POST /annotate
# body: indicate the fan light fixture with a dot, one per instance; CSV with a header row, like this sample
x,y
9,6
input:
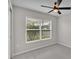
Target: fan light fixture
x,y
56,7
56,10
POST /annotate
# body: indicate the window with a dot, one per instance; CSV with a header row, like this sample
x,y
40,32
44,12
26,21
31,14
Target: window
x,y
38,29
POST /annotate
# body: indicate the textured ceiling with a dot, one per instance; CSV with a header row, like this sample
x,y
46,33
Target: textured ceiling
x,y
35,5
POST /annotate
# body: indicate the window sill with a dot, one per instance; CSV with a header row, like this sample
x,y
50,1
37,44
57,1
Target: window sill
x,y
38,40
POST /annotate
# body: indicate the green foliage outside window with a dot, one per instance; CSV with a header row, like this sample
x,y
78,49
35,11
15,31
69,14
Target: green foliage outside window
x,y
35,33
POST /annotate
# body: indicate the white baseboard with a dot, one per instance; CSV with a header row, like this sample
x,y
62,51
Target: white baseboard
x,y
62,43
22,52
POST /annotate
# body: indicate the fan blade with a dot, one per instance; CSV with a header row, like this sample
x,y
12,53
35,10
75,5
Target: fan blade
x,y
59,12
59,1
64,8
46,6
50,11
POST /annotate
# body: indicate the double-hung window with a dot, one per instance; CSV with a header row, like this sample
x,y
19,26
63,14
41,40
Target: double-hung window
x,y
37,30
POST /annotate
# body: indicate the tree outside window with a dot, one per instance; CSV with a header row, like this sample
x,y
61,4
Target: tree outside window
x,y
37,29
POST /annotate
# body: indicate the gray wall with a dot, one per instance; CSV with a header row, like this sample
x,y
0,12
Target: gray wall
x,y
19,18
64,30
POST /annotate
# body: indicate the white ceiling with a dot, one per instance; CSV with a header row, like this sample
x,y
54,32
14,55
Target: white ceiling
x,y
35,5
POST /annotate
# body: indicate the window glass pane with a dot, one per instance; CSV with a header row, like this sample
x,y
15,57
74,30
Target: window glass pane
x,y
45,25
32,24
37,29
45,34
33,35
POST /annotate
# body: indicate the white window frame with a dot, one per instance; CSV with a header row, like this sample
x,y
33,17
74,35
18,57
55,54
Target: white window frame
x,y
39,30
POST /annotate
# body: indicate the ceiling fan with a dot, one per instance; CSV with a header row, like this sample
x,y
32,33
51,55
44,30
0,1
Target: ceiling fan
x,y
56,7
